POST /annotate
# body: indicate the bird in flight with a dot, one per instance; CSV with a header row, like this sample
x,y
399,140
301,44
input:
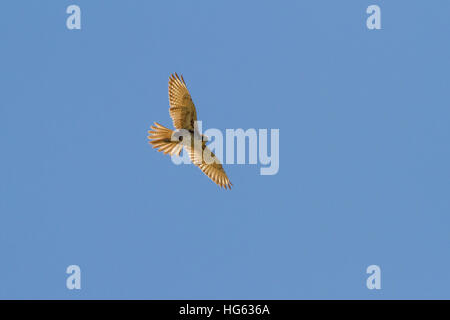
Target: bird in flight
x,y
184,118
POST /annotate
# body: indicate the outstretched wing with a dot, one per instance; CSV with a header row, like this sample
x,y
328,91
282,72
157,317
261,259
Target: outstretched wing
x,y
182,109
209,164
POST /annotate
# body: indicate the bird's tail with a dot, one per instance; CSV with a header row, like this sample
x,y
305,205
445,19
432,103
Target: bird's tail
x,y
161,138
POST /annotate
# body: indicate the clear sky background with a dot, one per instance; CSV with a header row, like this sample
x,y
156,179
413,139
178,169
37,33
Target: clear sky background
x,y
364,150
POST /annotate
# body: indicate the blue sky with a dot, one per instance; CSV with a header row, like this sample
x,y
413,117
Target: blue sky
x,y
364,150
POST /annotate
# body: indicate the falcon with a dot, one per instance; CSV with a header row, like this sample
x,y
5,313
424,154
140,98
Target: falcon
x,y
184,118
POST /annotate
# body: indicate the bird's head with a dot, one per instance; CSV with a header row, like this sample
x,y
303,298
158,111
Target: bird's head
x,y
180,135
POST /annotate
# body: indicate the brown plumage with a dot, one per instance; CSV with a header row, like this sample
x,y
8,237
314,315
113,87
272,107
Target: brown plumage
x,y
184,116
182,109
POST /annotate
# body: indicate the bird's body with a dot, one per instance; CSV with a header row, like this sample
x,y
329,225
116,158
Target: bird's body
x,y
184,117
